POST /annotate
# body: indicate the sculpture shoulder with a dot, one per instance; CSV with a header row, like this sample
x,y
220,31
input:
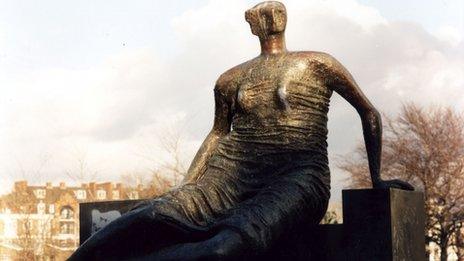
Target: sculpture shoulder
x,y
227,81
317,58
324,66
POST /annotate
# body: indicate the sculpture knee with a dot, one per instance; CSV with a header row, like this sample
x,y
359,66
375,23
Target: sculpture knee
x,y
228,244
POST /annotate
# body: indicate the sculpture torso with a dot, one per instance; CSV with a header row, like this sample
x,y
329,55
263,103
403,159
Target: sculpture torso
x,y
279,105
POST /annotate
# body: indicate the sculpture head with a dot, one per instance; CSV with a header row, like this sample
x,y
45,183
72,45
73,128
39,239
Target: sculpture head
x,y
267,18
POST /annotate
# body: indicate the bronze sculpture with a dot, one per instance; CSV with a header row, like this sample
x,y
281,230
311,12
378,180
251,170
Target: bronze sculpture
x,y
262,169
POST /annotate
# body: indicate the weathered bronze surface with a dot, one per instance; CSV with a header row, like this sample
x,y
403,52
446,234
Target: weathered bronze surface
x,y
263,168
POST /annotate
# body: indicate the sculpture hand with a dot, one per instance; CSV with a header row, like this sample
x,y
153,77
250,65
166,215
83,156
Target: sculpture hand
x,y
394,183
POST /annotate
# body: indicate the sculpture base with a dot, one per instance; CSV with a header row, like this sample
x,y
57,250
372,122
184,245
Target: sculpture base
x,y
378,225
95,215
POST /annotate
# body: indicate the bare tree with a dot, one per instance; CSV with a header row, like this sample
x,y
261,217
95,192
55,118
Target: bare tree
x,y
330,217
426,148
33,227
173,165
459,244
134,179
80,171
34,172
168,163
21,203
150,185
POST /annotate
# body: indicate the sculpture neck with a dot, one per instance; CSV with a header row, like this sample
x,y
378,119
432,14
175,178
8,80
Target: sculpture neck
x,y
273,44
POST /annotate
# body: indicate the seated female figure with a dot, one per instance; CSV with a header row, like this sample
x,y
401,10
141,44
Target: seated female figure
x,y
263,168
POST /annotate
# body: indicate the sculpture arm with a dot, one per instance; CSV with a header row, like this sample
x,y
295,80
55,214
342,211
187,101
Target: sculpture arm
x,y
220,128
342,82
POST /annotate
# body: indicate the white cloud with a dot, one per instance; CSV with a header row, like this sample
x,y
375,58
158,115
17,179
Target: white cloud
x,y
358,14
450,34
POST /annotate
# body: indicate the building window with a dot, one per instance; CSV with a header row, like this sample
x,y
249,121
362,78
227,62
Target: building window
x,y
2,228
115,194
66,228
40,193
133,195
67,213
51,209
101,194
80,194
24,226
41,208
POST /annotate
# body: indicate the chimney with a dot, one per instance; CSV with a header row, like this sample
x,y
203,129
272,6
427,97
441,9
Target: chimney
x,y
62,185
20,186
93,187
107,186
121,190
48,185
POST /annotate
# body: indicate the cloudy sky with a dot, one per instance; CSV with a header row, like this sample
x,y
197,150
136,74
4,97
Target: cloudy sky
x,y
99,82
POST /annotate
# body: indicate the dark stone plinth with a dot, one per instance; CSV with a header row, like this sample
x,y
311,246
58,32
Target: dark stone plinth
x,y
322,242
384,224
95,215
378,225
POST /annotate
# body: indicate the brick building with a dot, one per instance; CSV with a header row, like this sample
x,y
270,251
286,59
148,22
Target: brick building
x,y
43,221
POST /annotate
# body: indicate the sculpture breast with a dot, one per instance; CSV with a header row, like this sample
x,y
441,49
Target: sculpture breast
x,y
262,96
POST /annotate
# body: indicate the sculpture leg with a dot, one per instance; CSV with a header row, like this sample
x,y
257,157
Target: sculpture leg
x,y
225,245
133,234
291,200
255,224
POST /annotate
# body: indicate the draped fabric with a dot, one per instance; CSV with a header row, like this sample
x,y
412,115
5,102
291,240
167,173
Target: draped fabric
x,y
265,176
